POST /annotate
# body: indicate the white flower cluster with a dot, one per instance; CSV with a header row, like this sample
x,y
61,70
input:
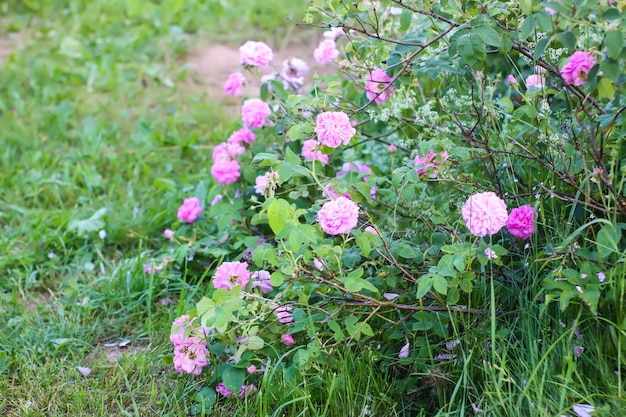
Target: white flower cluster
x,y
402,100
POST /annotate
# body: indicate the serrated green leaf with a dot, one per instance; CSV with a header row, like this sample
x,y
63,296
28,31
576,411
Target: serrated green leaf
x,y
489,35
440,284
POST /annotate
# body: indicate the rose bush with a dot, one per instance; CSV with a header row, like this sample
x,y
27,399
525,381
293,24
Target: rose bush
x,y
366,240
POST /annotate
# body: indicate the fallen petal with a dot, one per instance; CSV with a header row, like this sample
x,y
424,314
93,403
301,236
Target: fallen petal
x,y
83,370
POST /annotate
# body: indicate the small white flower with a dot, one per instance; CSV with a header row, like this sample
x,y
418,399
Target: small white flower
x,y
102,234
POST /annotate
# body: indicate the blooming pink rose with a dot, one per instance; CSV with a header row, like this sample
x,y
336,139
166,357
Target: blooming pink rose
x,y
190,210
287,339
262,183
261,279
234,83
326,51
242,136
378,81
535,81
511,79
229,274
225,171
191,357
355,167
254,111
334,128
256,54
310,154
294,68
521,222
338,216
484,214
168,233
577,67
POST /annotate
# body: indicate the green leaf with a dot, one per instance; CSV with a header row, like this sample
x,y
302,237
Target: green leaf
x,y
527,28
453,296
364,244
489,35
277,215
541,47
440,284
472,49
207,397
295,240
366,329
405,251
606,88
608,240
424,285
90,225
614,42
255,343
567,39
233,378
406,17
277,279
526,6
4,361
164,184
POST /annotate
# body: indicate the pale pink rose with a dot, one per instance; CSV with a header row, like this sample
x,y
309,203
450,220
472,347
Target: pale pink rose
x,y
222,390
242,136
333,33
283,314
230,274
254,111
262,183
392,148
511,79
601,276
256,54
484,214
521,222
326,51
234,83
535,81
287,339
261,279
355,167
338,216
191,357
225,171
577,68
404,351
378,87
294,68
310,153
334,128
168,233
190,210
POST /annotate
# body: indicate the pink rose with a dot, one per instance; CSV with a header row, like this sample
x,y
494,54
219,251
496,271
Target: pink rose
x,y
242,136
484,214
511,79
190,210
392,148
261,184
256,54
168,233
338,216
378,87
222,390
254,111
535,81
294,68
326,51
432,160
283,314
230,274
234,83
577,68
225,171
333,33
334,128
310,153
261,279
521,222
190,357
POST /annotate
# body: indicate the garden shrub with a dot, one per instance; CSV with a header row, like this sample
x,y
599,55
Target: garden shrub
x,y
462,154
